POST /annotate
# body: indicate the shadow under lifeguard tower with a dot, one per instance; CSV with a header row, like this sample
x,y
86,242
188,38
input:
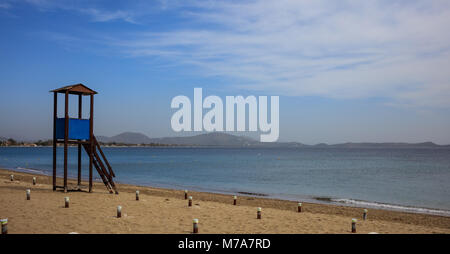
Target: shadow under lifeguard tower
x,y
79,131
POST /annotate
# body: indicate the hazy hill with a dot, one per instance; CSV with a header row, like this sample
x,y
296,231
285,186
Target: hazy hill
x,y
386,145
126,138
209,139
224,139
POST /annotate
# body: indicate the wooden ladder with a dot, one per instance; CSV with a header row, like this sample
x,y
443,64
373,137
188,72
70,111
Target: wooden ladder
x,y
106,173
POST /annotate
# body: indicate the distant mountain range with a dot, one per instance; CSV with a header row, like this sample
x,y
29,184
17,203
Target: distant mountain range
x,y
224,139
209,139
126,138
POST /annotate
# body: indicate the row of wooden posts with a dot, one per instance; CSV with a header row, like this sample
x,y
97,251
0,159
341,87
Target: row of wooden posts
x,y
4,222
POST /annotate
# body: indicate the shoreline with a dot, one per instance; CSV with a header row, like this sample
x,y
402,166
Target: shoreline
x,y
304,146
325,200
384,221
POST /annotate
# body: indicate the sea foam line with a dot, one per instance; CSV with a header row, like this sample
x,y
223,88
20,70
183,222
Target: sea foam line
x,y
392,207
31,170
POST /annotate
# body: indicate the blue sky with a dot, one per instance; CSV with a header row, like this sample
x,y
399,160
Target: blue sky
x,y
359,71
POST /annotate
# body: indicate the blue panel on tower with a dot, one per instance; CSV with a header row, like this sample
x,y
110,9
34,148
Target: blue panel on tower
x,y
78,128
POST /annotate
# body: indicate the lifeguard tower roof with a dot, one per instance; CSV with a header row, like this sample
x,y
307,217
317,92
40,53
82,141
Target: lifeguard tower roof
x,y
75,89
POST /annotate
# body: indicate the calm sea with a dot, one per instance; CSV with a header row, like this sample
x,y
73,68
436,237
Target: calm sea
x,y
416,180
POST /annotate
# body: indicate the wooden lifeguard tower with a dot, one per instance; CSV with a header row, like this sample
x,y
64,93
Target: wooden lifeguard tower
x,y
79,131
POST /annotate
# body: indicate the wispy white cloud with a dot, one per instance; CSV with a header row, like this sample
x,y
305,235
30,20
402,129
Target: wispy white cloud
x,y
399,50
5,5
103,16
88,8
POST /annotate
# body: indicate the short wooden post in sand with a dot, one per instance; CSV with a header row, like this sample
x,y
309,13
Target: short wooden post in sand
x,y
234,200
365,214
34,180
185,194
195,224
66,202
28,194
299,207
4,223
137,195
258,213
119,211
353,225
190,201
11,177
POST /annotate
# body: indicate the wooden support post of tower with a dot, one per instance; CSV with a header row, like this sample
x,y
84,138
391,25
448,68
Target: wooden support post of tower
x,y
91,141
55,113
80,116
66,136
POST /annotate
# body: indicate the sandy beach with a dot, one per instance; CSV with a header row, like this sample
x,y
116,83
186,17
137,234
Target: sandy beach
x,y
165,211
